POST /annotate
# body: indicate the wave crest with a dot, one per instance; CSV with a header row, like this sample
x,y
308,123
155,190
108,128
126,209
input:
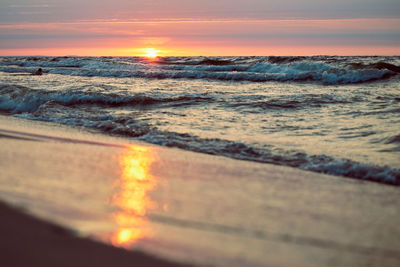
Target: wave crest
x,y
19,99
238,150
320,69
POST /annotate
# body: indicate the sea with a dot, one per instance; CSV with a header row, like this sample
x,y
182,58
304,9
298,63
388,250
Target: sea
x,y
326,114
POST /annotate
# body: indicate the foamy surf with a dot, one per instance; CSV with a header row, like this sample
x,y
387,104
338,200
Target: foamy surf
x,y
326,70
263,109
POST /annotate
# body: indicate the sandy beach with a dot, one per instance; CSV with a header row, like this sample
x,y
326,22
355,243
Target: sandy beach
x,y
27,241
185,207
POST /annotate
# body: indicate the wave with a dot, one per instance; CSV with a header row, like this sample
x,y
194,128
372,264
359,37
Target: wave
x,y
282,59
86,108
16,99
322,69
379,66
128,126
242,151
317,163
299,101
328,77
19,99
393,140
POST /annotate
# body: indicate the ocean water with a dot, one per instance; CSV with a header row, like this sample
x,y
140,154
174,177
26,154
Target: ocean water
x,y
335,115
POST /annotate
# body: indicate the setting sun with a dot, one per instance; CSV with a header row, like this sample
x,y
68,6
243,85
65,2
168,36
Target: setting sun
x,y
151,52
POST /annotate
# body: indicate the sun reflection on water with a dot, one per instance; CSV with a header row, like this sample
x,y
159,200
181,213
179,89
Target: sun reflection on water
x,y
133,200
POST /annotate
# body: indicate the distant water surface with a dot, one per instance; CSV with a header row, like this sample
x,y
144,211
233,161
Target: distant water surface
x,y
336,115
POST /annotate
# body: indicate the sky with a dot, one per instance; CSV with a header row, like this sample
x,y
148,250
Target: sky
x,y
199,28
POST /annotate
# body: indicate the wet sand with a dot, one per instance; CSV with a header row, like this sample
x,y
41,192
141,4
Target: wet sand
x,y
28,241
200,209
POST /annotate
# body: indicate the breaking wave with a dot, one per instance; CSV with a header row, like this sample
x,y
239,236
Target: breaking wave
x,y
238,150
19,99
324,70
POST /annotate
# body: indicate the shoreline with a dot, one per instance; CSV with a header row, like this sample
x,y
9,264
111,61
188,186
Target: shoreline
x,y
205,210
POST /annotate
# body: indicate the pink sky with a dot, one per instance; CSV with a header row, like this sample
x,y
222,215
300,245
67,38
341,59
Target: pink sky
x,y
127,29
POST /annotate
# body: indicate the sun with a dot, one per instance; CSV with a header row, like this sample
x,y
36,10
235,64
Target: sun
x,y
150,52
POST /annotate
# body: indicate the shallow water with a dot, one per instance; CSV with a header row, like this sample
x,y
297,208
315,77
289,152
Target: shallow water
x,y
336,115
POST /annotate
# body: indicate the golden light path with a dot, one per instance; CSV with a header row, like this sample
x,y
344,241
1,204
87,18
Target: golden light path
x,y
133,201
